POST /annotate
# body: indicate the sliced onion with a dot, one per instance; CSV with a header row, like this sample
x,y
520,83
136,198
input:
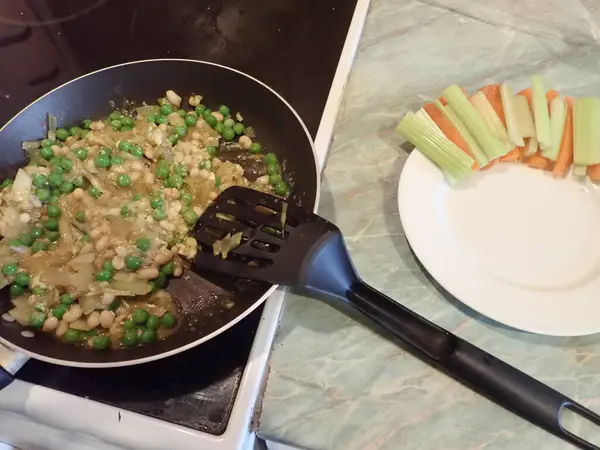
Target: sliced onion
x,y
137,287
80,324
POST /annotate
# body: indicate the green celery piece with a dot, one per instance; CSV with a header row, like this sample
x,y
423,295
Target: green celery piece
x,y
558,117
476,150
511,107
465,111
580,171
586,139
455,163
540,112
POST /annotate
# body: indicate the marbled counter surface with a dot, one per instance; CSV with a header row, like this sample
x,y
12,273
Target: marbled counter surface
x,y
334,384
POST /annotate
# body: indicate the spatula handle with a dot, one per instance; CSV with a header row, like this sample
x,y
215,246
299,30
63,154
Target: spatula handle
x,y
472,366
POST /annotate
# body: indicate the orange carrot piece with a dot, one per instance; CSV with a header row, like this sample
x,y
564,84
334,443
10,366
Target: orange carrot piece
x,y
551,95
491,164
448,129
565,156
492,92
514,155
538,161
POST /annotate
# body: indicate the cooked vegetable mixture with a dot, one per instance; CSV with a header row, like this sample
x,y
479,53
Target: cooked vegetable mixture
x,y
97,222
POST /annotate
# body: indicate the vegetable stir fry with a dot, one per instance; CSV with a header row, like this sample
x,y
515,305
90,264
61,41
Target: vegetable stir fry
x,y
97,222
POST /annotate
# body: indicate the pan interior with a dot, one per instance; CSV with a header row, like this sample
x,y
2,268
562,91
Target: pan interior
x,y
209,301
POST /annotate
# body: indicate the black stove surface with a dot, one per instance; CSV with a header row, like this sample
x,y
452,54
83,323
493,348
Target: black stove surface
x,y
291,45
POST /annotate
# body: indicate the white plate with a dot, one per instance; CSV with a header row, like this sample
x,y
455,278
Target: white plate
x,y
513,243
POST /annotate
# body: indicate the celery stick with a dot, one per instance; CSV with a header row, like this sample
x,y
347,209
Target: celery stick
x,y
524,116
465,111
586,137
455,163
512,124
579,171
532,147
540,112
476,150
428,121
495,125
558,117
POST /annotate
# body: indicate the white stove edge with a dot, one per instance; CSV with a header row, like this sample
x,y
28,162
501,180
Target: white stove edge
x,y
33,416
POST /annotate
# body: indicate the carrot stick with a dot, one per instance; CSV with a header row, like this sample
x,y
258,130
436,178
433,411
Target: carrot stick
x,y
448,129
514,155
538,161
492,92
565,156
491,164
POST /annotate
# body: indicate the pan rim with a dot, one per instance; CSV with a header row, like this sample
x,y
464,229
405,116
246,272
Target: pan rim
x,y
249,310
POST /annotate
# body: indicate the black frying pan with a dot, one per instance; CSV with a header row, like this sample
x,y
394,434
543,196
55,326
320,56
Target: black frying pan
x,y
209,303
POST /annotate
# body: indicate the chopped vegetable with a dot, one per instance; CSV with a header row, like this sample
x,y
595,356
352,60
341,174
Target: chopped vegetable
x,y
512,121
540,113
557,125
586,114
493,122
565,156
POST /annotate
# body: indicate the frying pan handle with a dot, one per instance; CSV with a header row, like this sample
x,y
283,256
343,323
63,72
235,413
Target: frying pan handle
x,y
498,381
5,378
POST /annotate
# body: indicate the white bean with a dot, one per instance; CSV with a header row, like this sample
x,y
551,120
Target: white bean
x,y
78,193
148,273
137,165
93,319
264,180
73,313
163,256
212,195
24,218
245,142
118,262
178,271
62,329
96,232
198,210
173,98
218,116
194,172
107,298
102,243
194,100
107,318
50,324
135,176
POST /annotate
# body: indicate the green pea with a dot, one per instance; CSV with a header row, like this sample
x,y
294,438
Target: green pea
x,y
102,160
37,232
211,150
38,246
229,134
181,113
168,269
38,290
211,120
81,153
229,123
272,168
125,146
161,281
136,151
124,180
101,342
6,183
104,275
53,236
133,262
59,311
140,316
106,151
78,181
22,279
129,324
25,239
47,143
130,338
255,148
162,171
86,123
274,179
200,109
9,269
156,202
53,211
62,134
125,211
224,110
137,197
36,319
181,170
66,299
153,322
148,336
173,139
190,217
190,120
143,244
16,290
66,164
218,181
85,238
115,124
160,120
55,179
67,187
72,335
166,109
159,214
39,179
206,113
75,131
168,320
80,216
115,115
126,121
180,131
238,128
175,181
55,198
55,163
204,164
186,198
219,127
151,118
108,266
281,188
94,192
51,224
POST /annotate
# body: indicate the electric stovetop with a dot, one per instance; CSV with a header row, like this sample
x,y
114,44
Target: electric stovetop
x,y
291,45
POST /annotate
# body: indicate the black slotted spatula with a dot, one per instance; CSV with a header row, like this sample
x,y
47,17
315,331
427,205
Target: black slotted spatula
x,y
281,243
